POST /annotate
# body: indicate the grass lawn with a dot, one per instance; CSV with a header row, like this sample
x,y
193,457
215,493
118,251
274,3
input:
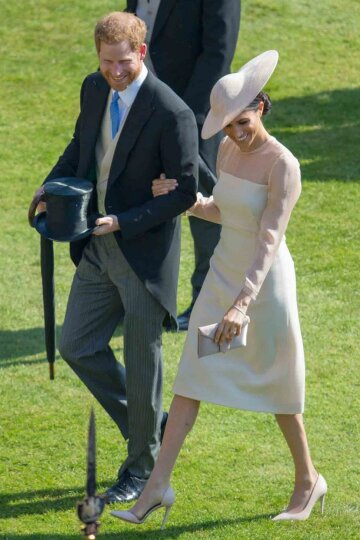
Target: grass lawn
x,y
235,470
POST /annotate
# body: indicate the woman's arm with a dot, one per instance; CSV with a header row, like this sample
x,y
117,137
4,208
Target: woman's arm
x,y
284,191
204,208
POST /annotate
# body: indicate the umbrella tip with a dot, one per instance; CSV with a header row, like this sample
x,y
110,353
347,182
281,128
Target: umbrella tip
x,y
51,372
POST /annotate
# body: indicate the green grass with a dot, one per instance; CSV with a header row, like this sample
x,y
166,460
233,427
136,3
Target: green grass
x,y
234,471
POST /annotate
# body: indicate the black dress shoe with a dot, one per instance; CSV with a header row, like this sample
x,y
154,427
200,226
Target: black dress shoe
x,y
183,318
127,488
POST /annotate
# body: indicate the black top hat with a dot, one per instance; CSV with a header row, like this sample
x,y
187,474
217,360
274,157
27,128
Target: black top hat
x,y
66,218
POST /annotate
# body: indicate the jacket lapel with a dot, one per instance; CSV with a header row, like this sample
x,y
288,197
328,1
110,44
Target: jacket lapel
x,y
164,11
139,114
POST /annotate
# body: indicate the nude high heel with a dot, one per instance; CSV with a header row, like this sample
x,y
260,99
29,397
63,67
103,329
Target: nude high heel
x,y
318,494
166,502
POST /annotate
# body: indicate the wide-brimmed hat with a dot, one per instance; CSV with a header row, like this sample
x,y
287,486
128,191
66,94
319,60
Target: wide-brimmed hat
x,y
67,216
233,93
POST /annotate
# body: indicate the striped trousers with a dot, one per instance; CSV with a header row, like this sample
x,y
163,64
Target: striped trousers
x,y
105,290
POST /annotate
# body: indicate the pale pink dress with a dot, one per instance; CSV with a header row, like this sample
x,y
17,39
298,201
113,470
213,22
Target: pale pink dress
x,y
253,200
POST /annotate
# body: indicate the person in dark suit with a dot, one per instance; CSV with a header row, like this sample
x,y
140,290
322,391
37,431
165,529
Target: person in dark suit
x,y
191,45
128,268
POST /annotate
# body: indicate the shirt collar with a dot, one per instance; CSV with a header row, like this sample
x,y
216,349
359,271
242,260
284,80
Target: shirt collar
x,y
129,94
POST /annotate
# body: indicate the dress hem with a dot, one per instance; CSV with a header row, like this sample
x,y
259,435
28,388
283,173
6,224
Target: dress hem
x,y
295,409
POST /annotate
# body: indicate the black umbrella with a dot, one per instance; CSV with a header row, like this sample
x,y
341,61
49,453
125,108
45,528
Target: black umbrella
x,y
47,274
90,509
66,220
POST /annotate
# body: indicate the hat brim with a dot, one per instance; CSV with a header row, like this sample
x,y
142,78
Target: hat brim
x,y
252,77
40,225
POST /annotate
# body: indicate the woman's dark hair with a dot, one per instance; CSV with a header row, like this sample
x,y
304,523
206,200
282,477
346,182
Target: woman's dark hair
x,y
264,97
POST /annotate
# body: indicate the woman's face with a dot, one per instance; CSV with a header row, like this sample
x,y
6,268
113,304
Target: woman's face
x,y
247,130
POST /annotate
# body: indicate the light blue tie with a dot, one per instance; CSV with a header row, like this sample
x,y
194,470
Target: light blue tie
x,y
115,114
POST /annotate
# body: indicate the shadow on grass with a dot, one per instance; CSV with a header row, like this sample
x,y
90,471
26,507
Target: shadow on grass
x,y
169,532
16,345
22,343
322,131
38,502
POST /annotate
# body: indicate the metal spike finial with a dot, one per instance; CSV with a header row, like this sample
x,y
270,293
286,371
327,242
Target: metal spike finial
x,y
90,509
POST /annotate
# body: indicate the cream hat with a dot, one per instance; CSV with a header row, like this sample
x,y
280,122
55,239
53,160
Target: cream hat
x,y
233,93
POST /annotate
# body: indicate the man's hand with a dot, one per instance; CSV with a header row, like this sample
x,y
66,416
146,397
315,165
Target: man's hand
x,y
36,204
106,225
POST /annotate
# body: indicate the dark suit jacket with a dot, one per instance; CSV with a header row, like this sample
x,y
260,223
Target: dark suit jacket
x,y
191,47
159,135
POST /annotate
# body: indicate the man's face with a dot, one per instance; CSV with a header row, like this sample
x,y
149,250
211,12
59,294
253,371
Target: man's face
x,y
120,65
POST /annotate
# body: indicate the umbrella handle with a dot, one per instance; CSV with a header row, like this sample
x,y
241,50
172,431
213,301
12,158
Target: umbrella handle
x,y
38,197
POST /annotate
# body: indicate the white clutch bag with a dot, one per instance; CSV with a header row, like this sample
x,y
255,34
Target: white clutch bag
x,y
207,345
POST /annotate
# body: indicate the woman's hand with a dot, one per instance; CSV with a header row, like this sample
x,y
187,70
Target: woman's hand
x,y
163,185
230,326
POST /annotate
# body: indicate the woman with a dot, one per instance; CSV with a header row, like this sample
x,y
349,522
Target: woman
x,y
251,274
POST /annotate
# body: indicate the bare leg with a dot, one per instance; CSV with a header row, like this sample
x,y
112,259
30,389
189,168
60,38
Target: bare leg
x,y
182,416
293,430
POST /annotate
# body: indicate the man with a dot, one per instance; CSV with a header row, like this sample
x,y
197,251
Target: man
x,y
191,45
129,268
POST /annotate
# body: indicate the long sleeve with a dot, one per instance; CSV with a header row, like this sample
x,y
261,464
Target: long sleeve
x,y
68,162
284,191
179,149
205,208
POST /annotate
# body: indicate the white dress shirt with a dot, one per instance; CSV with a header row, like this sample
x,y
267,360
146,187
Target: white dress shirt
x,y
105,145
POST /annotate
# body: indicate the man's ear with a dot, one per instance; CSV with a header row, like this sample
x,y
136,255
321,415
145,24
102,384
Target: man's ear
x,y
142,50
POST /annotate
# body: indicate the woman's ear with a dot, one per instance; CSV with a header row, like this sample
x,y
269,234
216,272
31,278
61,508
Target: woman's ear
x,y
261,108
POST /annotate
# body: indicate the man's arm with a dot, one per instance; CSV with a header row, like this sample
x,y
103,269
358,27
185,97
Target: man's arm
x,y
179,151
68,162
66,166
